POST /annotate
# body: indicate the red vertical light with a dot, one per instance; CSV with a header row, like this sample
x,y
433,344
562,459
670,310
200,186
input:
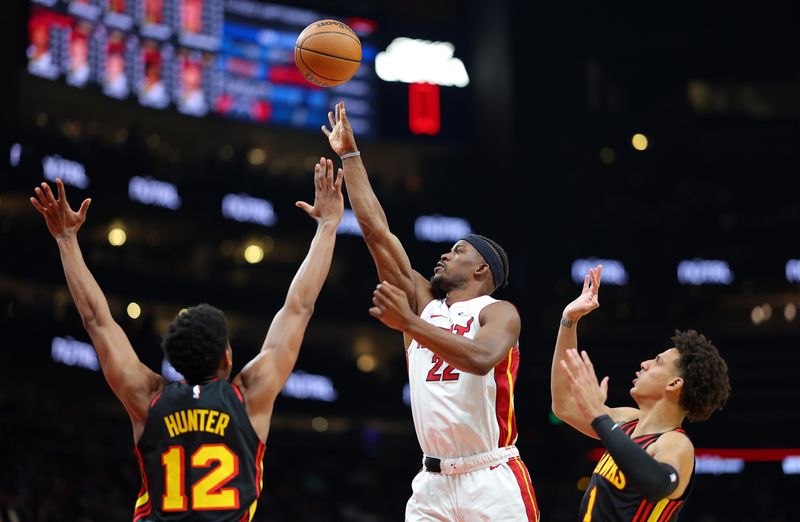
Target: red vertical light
x,y
423,108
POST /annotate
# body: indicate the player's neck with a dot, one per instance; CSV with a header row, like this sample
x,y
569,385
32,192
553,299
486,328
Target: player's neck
x,y
462,294
658,417
469,290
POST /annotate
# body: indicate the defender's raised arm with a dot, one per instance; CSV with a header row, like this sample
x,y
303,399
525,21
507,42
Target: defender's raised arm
x,y
264,376
132,382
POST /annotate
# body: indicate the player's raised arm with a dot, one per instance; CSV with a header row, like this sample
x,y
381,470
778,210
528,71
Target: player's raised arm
x,y
662,472
390,257
264,376
563,401
132,382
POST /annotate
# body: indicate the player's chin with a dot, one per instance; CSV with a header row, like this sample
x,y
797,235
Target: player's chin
x,y
438,285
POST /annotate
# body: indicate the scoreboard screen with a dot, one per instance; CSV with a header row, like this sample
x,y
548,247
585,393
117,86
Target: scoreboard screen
x,y
225,58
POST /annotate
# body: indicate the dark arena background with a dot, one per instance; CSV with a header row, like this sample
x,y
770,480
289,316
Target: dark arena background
x,y
659,139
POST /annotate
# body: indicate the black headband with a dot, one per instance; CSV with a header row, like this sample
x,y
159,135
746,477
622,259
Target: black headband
x,y
490,255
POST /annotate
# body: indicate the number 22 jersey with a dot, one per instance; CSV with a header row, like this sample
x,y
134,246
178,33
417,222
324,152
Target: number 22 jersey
x,y
199,456
457,414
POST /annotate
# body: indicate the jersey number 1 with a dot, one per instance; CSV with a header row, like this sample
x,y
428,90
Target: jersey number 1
x,y
207,493
590,505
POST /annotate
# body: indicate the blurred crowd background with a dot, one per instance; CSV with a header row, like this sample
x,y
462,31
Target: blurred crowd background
x,y
662,141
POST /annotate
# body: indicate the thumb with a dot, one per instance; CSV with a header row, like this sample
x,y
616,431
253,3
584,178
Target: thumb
x,y
305,206
84,208
604,385
375,312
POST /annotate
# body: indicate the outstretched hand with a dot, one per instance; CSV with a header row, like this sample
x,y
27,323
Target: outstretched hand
x,y
588,300
62,221
340,135
589,396
328,200
391,306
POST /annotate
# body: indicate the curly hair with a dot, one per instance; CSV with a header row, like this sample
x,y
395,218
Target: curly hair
x,y
196,341
705,375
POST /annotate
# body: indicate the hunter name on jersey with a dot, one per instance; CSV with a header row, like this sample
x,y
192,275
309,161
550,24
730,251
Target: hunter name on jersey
x,y
184,421
199,456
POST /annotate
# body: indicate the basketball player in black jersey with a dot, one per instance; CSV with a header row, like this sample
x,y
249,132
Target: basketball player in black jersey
x,y
200,442
647,471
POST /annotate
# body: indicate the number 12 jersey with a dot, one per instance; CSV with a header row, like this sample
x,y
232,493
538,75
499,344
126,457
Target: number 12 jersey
x,y
199,456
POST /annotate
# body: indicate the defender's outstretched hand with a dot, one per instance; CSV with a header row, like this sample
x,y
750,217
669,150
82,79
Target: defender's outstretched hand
x,y
391,306
588,299
328,200
589,396
340,135
61,220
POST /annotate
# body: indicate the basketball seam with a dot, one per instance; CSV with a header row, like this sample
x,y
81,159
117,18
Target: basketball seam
x,y
330,32
313,71
328,55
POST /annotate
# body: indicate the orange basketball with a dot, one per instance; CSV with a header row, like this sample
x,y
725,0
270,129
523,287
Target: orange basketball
x,y
328,53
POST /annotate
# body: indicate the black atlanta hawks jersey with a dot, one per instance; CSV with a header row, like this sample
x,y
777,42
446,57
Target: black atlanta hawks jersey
x,y
199,456
610,498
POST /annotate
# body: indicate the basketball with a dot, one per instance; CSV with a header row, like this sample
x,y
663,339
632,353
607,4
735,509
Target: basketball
x,y
327,53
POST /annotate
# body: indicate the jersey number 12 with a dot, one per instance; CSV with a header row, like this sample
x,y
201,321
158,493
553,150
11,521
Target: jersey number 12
x,y
207,493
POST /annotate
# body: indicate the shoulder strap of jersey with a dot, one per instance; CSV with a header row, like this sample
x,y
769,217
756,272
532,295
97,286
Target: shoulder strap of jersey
x,y
426,311
484,301
155,399
238,392
629,426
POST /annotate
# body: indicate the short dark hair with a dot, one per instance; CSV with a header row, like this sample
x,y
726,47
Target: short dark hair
x,y
196,341
501,253
705,375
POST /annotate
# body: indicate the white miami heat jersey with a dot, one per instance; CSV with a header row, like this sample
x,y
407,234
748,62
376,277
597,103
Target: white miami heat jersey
x,y
457,414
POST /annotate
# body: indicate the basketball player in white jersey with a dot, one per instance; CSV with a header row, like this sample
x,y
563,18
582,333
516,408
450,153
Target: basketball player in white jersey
x,y
462,352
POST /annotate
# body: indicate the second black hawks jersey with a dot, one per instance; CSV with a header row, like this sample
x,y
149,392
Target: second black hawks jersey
x,y
199,456
610,498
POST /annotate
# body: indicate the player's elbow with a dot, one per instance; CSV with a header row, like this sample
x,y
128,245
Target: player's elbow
x,y
481,365
655,496
480,369
559,405
657,486
561,411
299,307
375,232
486,358
90,322
566,413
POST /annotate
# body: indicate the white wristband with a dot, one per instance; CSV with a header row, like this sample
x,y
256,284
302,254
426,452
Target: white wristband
x,y
350,155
